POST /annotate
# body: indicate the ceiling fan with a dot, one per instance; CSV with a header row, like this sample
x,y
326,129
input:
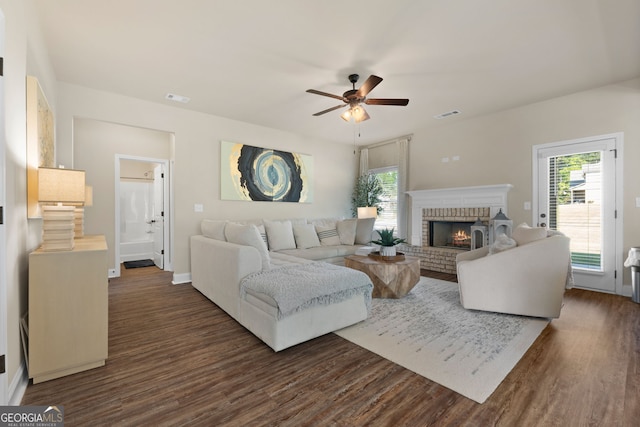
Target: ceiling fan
x,y
353,98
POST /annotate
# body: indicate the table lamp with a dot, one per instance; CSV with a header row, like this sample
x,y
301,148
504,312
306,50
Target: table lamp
x,y
368,212
79,212
65,188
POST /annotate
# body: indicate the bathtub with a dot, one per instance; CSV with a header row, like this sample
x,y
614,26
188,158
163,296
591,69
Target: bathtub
x,y
134,251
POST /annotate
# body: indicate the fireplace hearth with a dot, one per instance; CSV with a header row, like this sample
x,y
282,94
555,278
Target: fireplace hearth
x,y
446,232
450,234
463,205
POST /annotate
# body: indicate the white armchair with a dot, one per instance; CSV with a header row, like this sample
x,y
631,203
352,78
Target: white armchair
x,y
527,280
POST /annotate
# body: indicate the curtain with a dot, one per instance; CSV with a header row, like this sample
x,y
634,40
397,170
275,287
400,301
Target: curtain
x,y
364,161
403,174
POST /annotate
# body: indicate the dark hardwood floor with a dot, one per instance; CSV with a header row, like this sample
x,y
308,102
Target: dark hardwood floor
x,y
177,359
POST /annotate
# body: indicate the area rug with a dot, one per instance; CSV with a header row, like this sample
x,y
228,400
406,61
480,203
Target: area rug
x,y
429,333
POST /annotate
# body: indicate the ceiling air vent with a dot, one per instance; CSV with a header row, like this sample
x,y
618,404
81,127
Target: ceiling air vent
x,y
447,114
177,98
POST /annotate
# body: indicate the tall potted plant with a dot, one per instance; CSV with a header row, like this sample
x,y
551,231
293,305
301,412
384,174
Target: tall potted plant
x,y
387,241
367,192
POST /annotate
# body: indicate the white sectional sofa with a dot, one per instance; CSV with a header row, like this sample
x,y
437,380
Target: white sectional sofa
x,y
228,252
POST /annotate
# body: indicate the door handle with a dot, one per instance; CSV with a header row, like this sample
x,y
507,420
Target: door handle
x,y
542,224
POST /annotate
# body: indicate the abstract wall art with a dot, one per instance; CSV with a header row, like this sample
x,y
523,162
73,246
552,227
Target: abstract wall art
x,y
40,142
262,174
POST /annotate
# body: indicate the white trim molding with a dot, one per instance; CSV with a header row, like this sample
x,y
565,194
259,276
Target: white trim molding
x,y
491,196
578,145
181,278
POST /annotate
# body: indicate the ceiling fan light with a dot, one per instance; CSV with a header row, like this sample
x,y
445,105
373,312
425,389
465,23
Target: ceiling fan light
x,y
346,116
360,114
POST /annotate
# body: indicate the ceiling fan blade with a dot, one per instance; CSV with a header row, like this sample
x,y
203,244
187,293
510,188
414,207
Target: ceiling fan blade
x,y
329,110
317,92
368,85
386,101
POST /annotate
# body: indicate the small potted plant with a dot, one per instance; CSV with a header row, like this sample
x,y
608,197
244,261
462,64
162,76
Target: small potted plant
x,y
387,242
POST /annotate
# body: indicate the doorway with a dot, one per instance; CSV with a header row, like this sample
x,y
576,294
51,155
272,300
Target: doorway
x,y
142,209
577,185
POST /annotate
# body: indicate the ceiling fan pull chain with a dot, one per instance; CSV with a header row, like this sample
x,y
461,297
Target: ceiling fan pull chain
x,y
354,139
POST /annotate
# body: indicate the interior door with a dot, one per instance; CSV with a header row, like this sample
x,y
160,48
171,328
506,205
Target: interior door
x,y
157,220
577,196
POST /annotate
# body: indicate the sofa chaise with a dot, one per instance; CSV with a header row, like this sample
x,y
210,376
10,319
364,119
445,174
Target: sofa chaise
x,y
228,256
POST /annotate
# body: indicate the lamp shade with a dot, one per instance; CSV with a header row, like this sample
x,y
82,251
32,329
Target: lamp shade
x,y
368,212
88,195
60,185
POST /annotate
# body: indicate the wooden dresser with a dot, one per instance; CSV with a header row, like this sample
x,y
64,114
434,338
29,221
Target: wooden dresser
x,y
68,309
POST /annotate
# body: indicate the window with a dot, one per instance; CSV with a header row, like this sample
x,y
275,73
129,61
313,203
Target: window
x,y
388,218
388,161
575,208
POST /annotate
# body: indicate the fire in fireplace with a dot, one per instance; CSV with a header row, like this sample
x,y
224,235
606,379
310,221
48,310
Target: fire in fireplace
x,y
450,234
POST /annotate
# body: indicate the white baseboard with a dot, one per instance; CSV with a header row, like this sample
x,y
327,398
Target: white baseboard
x,y
18,386
179,279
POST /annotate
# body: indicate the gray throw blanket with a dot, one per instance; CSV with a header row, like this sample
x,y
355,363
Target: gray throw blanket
x,y
297,287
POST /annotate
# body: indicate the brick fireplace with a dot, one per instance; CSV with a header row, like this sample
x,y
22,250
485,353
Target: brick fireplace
x,y
463,204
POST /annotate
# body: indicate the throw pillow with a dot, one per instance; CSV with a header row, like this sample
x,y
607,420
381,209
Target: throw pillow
x,y
524,234
248,235
364,230
324,222
502,243
347,231
263,234
214,229
306,236
328,235
279,235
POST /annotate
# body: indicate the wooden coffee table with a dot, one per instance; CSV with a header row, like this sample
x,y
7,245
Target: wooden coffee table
x,y
390,279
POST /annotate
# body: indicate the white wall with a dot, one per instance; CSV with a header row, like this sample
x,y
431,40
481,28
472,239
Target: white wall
x,y
95,145
196,176
24,54
496,149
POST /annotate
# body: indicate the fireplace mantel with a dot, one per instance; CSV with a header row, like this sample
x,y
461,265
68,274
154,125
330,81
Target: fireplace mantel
x,y
491,196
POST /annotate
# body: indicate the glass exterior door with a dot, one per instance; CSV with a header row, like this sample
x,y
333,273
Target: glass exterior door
x,y
576,196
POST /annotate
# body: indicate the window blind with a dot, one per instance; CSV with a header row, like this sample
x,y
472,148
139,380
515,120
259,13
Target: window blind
x,y
575,208
388,177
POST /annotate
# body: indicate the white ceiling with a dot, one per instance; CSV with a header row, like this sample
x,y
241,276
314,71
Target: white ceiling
x,y
252,60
